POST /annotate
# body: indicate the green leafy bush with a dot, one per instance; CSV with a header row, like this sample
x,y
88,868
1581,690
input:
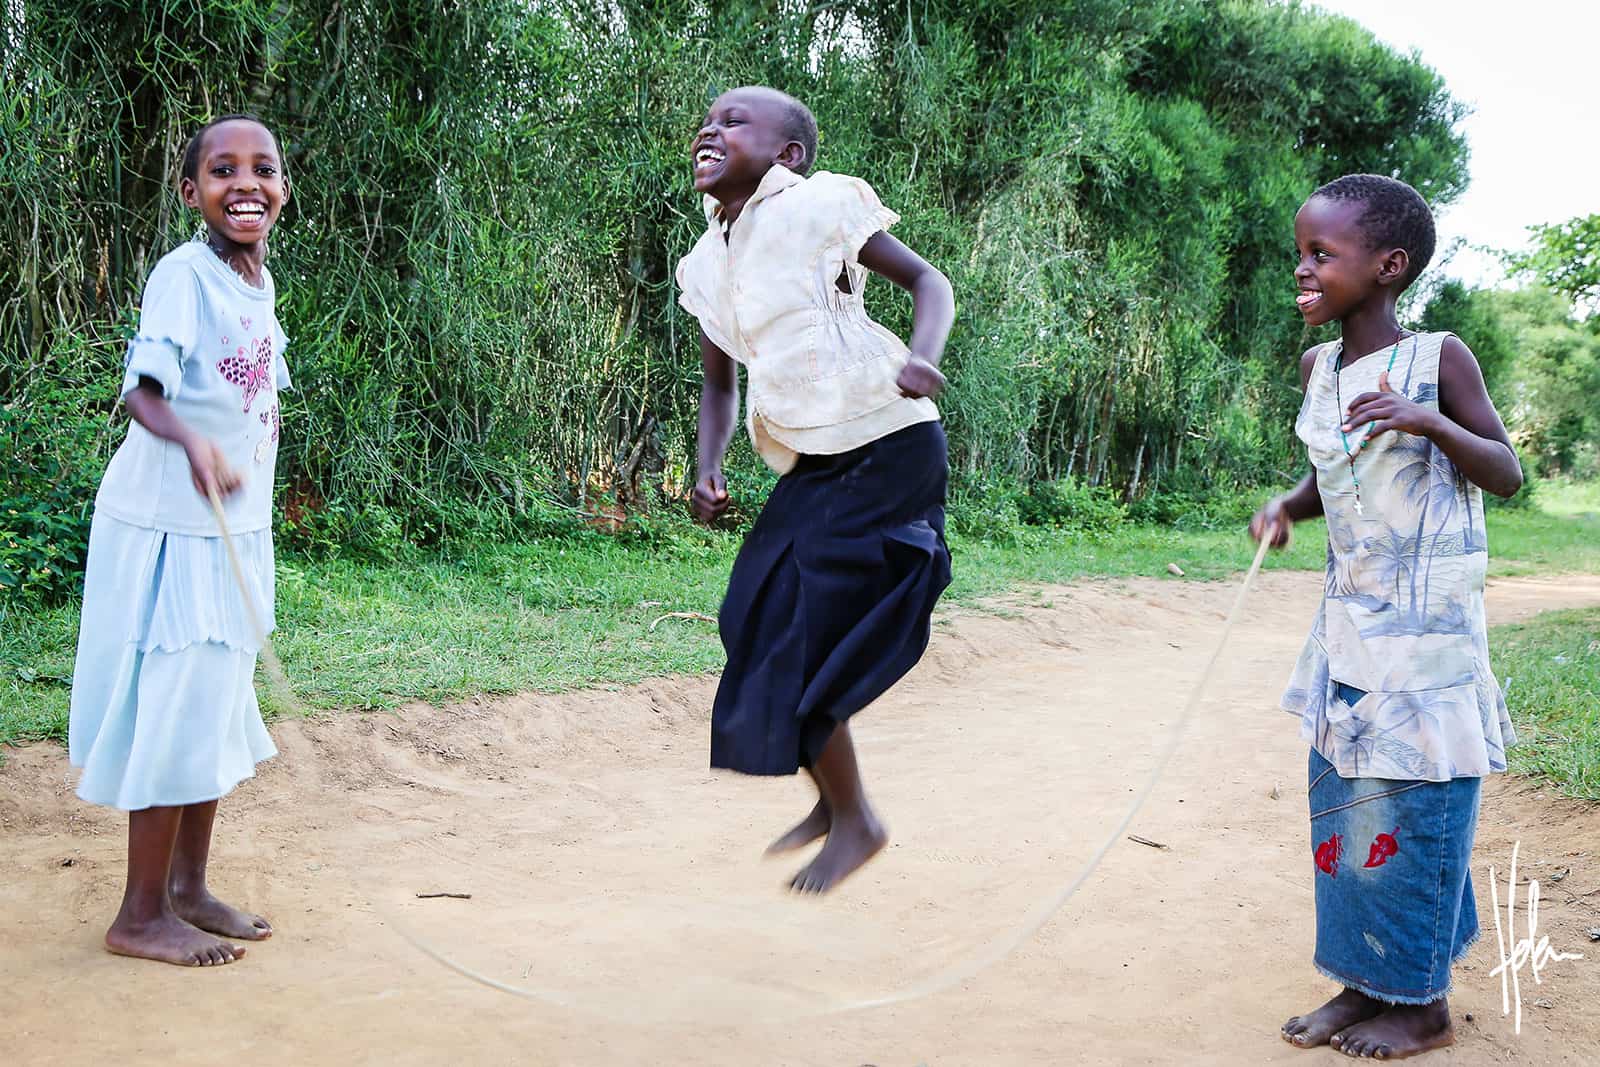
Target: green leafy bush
x,y
476,267
1071,505
52,454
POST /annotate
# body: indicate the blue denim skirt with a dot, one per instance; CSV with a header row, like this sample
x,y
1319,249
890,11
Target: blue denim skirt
x,y
1393,882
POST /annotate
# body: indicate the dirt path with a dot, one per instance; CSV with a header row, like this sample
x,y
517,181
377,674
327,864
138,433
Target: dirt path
x,y
607,863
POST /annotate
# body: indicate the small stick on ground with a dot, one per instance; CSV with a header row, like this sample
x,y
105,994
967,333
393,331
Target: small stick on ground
x,y
452,896
1145,841
682,615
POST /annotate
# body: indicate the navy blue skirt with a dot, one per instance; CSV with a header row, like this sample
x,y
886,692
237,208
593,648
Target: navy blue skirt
x,y
830,599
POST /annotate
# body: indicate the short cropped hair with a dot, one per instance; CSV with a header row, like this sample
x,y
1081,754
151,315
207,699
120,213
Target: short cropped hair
x,y
191,153
799,124
795,123
1394,215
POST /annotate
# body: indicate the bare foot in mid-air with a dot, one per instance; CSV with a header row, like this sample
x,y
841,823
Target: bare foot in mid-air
x,y
1318,1027
208,913
169,939
804,832
850,844
1402,1030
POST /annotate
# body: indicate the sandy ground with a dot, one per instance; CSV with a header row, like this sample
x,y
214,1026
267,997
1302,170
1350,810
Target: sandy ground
x,y
610,868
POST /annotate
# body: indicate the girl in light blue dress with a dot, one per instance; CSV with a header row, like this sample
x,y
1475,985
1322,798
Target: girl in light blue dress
x,y
164,714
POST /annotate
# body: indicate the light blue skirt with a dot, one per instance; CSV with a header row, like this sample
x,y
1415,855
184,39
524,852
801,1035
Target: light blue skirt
x,y
1392,882
164,705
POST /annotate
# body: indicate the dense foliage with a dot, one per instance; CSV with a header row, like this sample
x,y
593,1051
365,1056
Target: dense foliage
x,y
1566,258
1554,414
490,196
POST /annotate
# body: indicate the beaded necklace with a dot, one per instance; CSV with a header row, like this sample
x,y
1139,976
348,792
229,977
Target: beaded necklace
x,y
1350,456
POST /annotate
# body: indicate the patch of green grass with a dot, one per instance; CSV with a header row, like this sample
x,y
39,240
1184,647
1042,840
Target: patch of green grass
x,y
36,654
1550,666
1561,534
558,614
987,568
1561,496
590,609
551,615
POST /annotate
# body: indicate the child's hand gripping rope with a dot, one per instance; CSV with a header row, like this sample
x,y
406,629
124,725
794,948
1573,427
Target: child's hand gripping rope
x,y
209,470
1272,525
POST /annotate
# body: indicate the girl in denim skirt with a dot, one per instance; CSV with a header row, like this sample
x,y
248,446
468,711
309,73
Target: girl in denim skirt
x,y
1393,689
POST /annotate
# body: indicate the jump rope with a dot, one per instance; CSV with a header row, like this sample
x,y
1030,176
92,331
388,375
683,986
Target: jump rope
x,y
992,952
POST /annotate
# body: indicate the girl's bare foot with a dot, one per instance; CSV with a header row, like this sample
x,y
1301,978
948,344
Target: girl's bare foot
x,y
1402,1030
208,913
850,843
1318,1027
804,832
169,939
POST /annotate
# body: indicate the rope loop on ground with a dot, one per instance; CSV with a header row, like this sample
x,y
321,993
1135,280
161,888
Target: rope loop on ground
x,y
990,953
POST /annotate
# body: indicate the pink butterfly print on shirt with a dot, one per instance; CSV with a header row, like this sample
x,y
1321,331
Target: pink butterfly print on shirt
x,y
274,420
251,373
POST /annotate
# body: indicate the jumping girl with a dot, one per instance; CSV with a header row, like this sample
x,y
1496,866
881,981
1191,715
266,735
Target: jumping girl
x,y
164,715
1393,690
831,595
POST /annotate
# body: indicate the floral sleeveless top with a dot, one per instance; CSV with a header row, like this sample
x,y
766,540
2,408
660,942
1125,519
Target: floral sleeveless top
x,y
1402,610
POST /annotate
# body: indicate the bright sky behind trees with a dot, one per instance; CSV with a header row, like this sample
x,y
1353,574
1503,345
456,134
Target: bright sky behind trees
x,y
1527,72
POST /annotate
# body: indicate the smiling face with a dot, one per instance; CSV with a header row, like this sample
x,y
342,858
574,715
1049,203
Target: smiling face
x,y
1338,269
238,187
744,134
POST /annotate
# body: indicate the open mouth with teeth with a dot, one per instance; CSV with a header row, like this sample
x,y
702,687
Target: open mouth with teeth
x,y
707,157
247,212
1308,298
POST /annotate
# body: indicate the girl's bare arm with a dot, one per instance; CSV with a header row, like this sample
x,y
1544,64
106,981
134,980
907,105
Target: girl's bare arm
x,y
933,308
207,468
719,408
1298,504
